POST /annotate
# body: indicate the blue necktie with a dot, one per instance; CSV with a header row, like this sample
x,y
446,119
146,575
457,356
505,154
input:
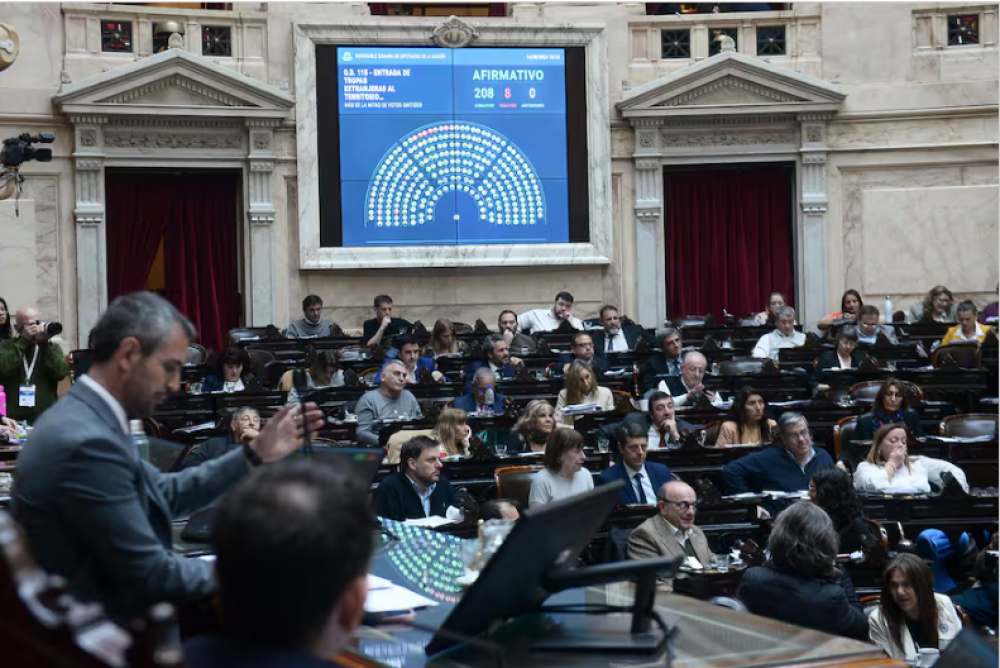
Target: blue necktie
x,y
611,344
640,493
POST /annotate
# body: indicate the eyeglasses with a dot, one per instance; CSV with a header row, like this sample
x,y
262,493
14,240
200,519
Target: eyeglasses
x,y
684,505
804,435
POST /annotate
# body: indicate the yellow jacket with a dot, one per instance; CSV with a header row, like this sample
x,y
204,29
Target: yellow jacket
x,y
954,335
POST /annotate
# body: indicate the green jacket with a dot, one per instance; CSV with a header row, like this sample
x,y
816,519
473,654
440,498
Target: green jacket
x,y
50,368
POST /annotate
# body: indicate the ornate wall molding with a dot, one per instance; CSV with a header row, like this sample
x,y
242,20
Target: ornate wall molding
x,y
730,82
261,166
177,81
729,138
121,138
88,138
168,122
88,165
813,158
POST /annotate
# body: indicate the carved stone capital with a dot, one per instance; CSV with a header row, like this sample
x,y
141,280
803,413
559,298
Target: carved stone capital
x,y
817,158
815,209
261,166
648,163
647,215
262,217
88,218
646,139
88,164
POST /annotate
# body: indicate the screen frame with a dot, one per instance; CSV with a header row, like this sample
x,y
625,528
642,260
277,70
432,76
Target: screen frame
x,y
492,33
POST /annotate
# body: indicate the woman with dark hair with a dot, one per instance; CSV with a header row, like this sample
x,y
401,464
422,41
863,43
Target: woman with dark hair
x,y
324,371
890,406
775,300
563,475
831,490
234,374
845,355
937,306
444,341
5,328
850,302
889,466
749,423
533,427
911,616
801,582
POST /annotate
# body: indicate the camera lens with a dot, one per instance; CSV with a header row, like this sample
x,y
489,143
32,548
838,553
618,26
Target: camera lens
x,y
53,329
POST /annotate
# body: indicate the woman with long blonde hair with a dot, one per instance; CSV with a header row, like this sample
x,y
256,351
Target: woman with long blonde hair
x,y
452,431
533,427
444,341
581,388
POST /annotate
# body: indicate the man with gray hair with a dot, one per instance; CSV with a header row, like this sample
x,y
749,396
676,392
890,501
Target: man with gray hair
x,y
390,400
93,511
668,362
475,403
244,426
785,468
498,360
784,336
687,388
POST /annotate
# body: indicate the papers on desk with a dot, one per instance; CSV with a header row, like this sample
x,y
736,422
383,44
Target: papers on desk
x,y
795,402
743,495
580,409
197,427
778,495
990,400
985,438
431,522
613,373
385,596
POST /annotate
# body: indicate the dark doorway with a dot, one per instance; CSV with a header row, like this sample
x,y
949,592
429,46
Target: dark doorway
x,y
177,233
729,239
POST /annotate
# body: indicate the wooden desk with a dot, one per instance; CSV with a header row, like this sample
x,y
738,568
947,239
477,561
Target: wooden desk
x,y
709,584
953,516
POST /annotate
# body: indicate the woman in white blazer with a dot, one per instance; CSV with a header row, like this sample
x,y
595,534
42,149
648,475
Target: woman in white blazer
x,y
889,467
911,616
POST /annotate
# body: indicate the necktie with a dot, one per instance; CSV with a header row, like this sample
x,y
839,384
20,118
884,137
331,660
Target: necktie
x,y
663,437
689,549
611,344
640,493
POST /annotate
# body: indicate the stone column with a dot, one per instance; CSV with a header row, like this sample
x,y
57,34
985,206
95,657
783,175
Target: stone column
x,y
814,302
260,214
91,247
650,269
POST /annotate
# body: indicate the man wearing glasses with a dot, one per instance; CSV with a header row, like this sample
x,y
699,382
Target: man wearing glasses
x,y
671,532
786,468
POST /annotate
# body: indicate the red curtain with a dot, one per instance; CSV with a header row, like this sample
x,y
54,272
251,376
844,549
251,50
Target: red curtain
x,y
728,239
196,215
498,9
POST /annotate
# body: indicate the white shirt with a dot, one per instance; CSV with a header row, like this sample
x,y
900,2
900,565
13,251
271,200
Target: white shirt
x,y
769,344
653,438
547,486
812,455
960,335
116,408
922,472
425,497
682,399
619,340
542,320
233,387
681,535
647,486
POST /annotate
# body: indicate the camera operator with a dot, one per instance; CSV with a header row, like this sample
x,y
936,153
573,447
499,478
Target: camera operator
x,y
31,366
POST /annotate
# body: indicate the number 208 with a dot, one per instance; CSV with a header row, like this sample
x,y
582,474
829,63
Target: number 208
x,y
483,93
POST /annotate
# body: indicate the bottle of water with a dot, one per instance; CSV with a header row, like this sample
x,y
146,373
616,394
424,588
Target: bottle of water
x,y
489,399
888,309
140,438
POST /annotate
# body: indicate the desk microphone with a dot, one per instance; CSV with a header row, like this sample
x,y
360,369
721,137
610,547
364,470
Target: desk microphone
x,y
301,383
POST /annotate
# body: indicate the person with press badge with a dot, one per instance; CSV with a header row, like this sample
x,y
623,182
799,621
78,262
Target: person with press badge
x,y
31,366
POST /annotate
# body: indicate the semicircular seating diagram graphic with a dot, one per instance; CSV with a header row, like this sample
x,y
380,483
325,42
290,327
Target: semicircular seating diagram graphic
x,y
450,156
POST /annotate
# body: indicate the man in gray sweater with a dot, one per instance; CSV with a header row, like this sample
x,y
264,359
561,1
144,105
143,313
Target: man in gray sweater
x,y
389,400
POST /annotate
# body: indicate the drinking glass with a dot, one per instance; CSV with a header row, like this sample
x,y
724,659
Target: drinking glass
x,y
603,445
501,450
470,551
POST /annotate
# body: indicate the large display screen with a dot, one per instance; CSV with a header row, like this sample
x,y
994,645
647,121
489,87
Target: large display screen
x,y
452,146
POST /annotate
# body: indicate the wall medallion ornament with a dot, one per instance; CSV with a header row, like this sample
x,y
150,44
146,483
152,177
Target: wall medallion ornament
x,y
454,34
88,138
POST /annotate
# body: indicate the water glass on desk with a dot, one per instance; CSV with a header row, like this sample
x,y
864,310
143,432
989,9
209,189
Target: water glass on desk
x,y
603,444
500,449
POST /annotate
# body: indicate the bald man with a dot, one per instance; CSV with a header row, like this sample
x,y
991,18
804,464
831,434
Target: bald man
x,y
30,367
671,532
687,388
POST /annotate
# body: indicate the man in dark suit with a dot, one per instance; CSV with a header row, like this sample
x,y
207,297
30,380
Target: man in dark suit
x,y
409,355
583,350
643,478
475,402
243,428
419,489
668,362
613,337
497,360
309,529
660,421
96,514
383,326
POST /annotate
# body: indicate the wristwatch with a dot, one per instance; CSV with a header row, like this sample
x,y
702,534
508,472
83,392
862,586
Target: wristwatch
x,y
252,456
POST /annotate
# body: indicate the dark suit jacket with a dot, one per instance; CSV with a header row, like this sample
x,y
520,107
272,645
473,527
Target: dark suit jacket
x,y
646,422
632,335
596,362
659,475
215,384
210,449
470,372
99,517
210,651
396,499
865,431
655,366
467,402
422,363
829,360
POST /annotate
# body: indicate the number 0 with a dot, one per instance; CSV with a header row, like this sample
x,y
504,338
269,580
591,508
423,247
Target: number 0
x,y
531,93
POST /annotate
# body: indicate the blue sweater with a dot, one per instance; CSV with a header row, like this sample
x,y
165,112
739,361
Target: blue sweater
x,y
773,469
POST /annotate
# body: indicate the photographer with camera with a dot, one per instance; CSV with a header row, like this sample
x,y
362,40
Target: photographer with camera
x,y
31,366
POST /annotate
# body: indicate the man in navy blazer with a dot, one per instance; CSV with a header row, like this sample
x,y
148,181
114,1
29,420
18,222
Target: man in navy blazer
x,y
642,478
419,489
497,360
409,354
474,403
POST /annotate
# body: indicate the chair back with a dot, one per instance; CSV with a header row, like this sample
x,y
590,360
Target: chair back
x,y
196,354
749,321
368,375
711,433
165,455
692,321
843,432
969,425
259,359
868,390
739,366
396,441
963,355
899,316
243,333
514,482
44,626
